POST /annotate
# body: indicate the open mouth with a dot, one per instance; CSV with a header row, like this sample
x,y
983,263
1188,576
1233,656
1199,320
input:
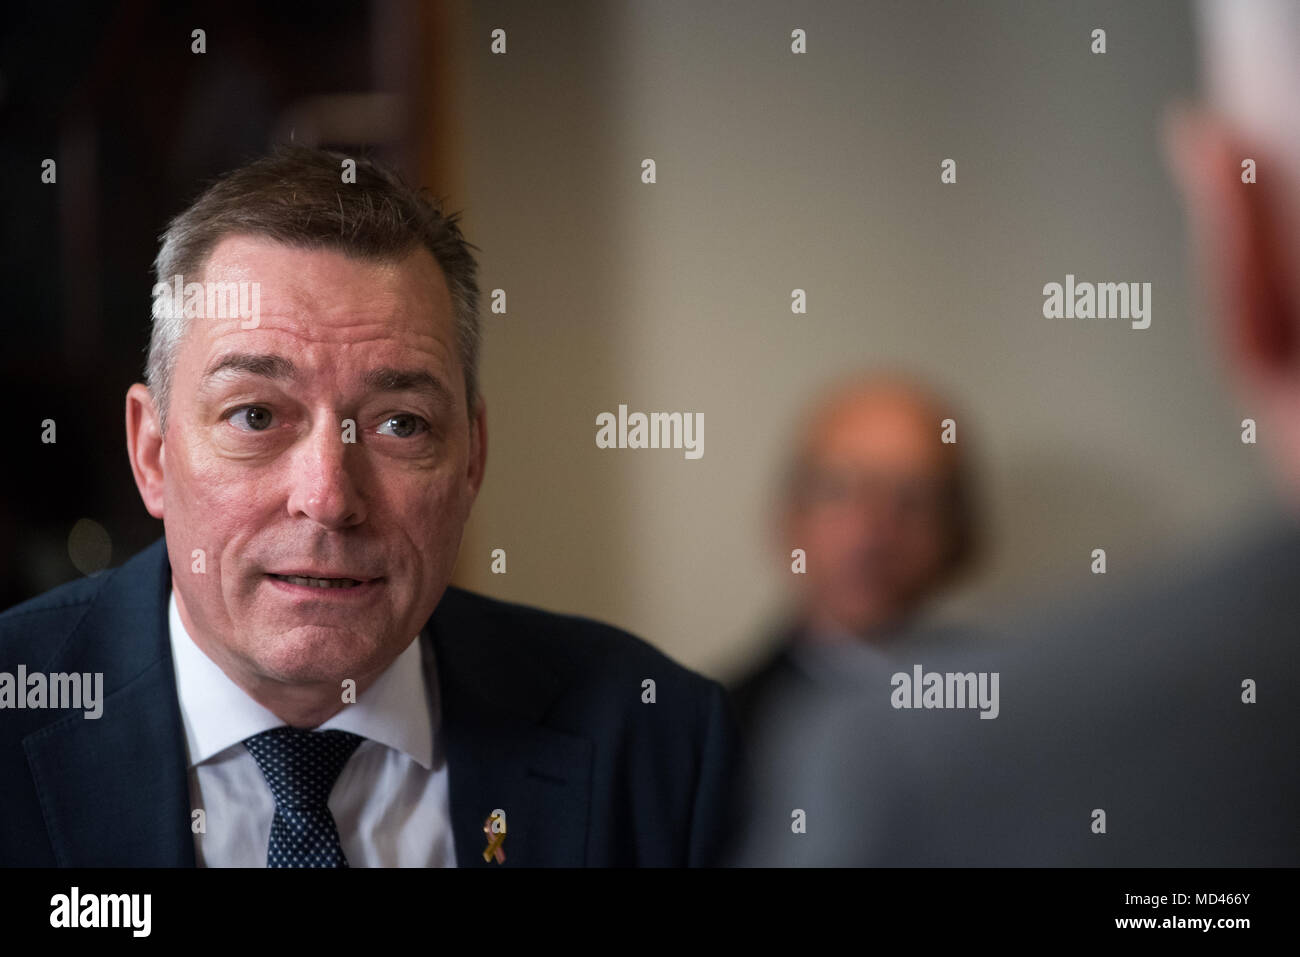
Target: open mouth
x,y
319,582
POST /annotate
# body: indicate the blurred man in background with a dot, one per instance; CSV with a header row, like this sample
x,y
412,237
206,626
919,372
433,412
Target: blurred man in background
x,y
880,508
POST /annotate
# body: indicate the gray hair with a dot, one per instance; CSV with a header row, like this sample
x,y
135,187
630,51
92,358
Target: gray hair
x,y
295,195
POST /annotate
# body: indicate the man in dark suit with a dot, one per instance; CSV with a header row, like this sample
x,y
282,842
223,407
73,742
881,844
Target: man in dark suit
x,y
287,679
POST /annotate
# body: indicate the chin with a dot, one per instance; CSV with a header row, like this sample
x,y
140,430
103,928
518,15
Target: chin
x,y
866,621
317,653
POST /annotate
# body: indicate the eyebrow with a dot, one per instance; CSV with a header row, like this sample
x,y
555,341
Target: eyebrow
x,y
382,379
388,379
265,365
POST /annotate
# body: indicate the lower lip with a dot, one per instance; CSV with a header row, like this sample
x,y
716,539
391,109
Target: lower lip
x,y
354,593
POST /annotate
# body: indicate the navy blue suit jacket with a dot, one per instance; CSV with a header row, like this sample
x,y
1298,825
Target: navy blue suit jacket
x,y
542,715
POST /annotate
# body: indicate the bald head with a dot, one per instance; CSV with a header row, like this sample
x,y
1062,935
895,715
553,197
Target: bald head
x,y
877,502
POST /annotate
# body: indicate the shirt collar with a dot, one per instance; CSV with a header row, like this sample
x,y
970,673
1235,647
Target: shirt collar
x,y
400,710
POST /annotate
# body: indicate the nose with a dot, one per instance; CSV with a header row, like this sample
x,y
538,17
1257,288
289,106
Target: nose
x,y
323,486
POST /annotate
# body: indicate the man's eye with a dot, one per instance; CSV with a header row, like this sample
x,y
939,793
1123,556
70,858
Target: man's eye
x,y
403,426
251,418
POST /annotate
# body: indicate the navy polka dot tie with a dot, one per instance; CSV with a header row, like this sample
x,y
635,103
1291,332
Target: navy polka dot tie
x,y
301,768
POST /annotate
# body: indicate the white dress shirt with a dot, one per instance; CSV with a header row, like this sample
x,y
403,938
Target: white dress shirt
x,y
391,802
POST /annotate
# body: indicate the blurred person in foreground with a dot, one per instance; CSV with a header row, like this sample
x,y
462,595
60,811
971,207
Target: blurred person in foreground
x,y
1161,728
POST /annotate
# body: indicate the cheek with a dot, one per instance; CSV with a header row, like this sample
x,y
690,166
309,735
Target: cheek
x,y
918,561
203,481
832,535
215,507
420,514
431,515
925,547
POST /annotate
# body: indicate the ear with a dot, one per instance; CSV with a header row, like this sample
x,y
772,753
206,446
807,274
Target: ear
x,y
144,445
477,448
1240,245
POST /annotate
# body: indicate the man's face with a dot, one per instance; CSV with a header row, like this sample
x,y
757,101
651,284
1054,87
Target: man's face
x,y
871,512
259,476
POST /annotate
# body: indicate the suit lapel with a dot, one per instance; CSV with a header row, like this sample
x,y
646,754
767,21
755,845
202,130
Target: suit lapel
x,y
114,790
494,691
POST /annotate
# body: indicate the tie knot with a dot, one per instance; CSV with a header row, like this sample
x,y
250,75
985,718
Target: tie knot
x,y
301,767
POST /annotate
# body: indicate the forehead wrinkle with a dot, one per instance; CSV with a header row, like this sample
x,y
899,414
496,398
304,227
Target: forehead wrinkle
x,y
382,379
